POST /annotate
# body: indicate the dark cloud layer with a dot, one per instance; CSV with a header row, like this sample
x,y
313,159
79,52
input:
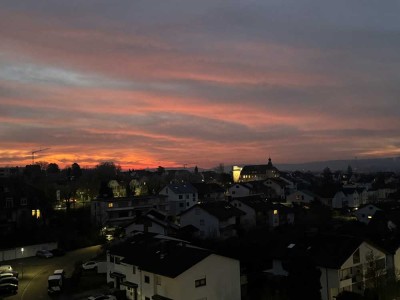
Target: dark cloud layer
x,y
146,83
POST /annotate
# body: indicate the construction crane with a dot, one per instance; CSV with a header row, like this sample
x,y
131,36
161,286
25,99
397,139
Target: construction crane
x,y
36,151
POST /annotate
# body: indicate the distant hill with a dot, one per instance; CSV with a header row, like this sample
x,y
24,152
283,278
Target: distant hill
x,y
391,164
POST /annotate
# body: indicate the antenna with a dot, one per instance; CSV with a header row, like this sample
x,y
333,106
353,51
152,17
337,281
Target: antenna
x,y
36,151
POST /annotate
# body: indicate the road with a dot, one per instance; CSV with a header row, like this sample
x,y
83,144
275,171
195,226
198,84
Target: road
x,y
34,271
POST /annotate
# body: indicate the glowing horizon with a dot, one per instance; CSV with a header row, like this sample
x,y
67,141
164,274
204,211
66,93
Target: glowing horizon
x,y
146,85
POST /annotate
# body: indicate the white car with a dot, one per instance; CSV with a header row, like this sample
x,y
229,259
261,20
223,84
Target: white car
x,y
102,297
90,265
44,253
8,269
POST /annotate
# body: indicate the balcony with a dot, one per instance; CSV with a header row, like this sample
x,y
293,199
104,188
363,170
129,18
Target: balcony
x,y
346,281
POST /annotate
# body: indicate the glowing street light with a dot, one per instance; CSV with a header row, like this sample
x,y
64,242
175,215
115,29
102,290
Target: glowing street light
x,y
22,265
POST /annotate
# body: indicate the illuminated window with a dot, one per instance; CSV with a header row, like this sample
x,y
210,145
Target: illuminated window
x,y
110,204
36,213
275,211
369,217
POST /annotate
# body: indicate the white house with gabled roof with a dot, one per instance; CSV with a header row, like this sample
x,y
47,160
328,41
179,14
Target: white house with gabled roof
x,y
180,196
157,267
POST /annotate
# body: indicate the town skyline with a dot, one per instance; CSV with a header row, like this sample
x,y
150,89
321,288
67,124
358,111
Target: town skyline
x,y
147,84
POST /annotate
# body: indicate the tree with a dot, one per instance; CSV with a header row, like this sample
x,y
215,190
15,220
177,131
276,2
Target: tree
x,y
42,164
107,171
52,168
105,191
160,170
376,271
76,171
327,175
349,171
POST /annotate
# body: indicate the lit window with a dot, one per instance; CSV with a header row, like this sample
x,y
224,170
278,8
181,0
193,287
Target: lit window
x,y
369,217
275,211
200,282
36,213
110,204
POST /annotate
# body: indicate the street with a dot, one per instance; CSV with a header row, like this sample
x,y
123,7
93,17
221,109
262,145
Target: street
x,y
34,272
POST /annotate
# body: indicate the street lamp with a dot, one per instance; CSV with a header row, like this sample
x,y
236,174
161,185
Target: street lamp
x,y
22,264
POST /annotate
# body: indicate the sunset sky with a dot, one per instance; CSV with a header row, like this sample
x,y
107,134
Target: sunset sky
x,y
145,83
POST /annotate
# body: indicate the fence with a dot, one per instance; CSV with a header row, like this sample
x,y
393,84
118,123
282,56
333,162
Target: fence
x,y
25,251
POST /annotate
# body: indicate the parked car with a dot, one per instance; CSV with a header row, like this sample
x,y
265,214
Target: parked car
x,y
7,275
8,287
8,269
11,280
90,265
102,297
58,252
5,268
44,253
59,272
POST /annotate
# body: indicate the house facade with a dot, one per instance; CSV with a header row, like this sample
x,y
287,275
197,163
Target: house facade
x,y
239,190
180,197
260,212
258,172
347,197
123,210
346,263
301,197
213,219
159,268
152,221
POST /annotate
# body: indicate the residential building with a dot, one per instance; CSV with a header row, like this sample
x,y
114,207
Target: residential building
x,y
213,219
346,263
261,212
347,197
301,197
20,205
180,197
123,210
209,191
152,221
160,268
